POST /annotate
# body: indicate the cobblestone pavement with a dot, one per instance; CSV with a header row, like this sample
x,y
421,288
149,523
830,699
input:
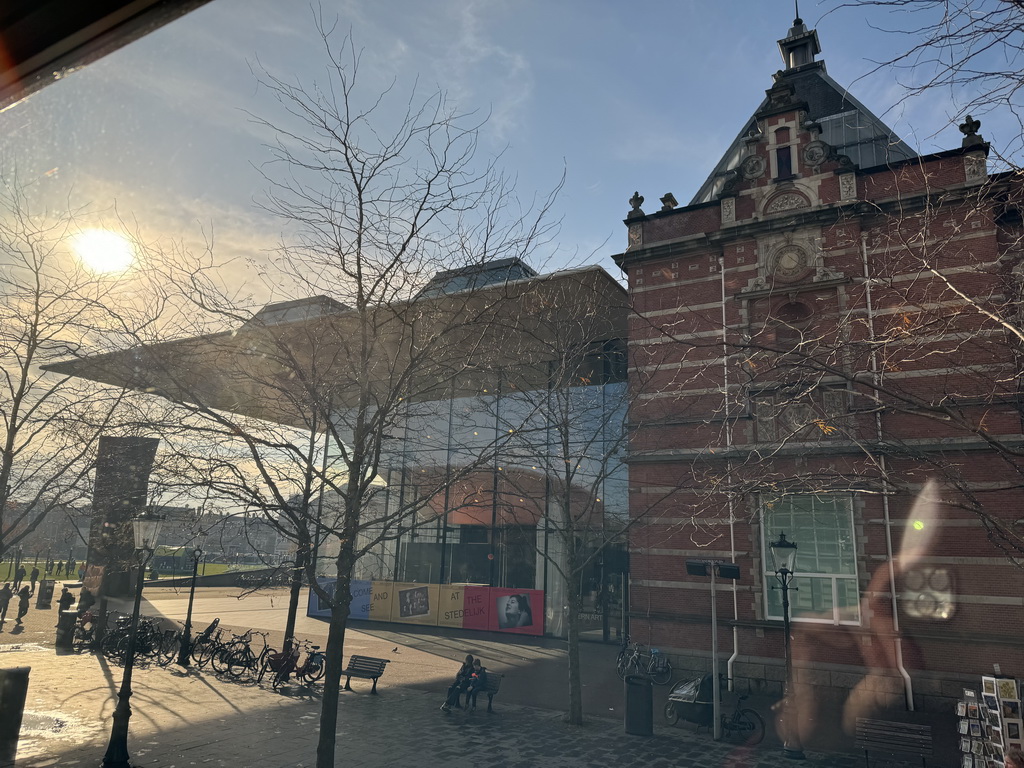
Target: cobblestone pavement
x,y
193,718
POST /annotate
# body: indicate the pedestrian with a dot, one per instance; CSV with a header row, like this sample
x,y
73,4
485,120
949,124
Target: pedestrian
x,y
461,683
19,576
66,599
49,565
81,572
477,682
70,570
60,567
5,600
85,600
34,577
23,597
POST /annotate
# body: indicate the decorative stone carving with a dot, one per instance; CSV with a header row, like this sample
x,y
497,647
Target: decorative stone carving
x,y
847,186
753,167
816,153
969,128
823,274
975,167
788,262
788,201
636,236
668,202
636,201
756,284
728,210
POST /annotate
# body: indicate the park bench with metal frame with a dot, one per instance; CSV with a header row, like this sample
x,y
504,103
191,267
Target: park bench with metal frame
x,y
365,667
888,736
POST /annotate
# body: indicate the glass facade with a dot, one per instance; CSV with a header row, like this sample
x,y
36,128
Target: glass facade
x,y
490,489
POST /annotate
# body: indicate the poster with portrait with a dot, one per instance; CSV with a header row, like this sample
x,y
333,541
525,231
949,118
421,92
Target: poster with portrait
x,y
517,611
414,603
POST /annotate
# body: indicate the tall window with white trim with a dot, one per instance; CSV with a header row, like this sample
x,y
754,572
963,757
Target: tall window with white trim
x,y
826,563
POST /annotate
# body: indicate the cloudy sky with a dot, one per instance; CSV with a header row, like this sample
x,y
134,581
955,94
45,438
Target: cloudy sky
x,y
623,97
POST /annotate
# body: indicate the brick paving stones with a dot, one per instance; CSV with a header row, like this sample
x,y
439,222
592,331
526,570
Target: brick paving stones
x,y
183,719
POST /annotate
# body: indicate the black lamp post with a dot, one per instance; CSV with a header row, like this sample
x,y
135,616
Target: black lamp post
x,y
146,529
185,654
784,561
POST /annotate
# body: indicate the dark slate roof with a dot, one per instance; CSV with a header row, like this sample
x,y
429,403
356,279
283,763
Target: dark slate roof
x,y
846,124
476,276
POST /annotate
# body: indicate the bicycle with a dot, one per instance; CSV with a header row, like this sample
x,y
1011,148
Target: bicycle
x,y
311,670
633,660
743,725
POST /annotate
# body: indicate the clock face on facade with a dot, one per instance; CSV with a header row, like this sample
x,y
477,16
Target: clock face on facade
x,y
789,262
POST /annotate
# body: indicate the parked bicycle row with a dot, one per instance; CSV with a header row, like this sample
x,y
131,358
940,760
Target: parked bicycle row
x,y
234,656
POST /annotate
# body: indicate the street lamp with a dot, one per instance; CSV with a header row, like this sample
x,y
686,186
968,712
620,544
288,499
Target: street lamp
x,y
784,561
184,654
146,528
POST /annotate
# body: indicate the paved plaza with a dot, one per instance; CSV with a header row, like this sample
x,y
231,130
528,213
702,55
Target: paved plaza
x,y
193,718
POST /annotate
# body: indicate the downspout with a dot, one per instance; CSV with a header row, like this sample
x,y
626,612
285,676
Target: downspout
x,y
908,684
728,473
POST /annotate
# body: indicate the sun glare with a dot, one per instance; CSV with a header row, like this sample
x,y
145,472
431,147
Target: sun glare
x,y
103,251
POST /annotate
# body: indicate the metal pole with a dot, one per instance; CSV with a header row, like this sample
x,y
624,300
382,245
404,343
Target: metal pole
x,y
716,696
792,747
185,653
117,748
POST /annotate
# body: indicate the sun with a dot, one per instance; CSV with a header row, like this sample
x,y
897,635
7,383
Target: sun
x,y
103,251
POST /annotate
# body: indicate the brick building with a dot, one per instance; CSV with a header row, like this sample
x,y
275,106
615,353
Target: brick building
x,y
828,340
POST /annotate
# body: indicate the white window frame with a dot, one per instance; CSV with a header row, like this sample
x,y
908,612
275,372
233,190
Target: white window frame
x,y
771,581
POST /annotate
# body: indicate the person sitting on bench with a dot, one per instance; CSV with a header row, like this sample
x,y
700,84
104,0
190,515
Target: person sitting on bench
x,y
461,683
477,683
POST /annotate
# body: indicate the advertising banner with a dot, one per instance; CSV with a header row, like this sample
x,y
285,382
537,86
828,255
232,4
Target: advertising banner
x,y
414,603
518,611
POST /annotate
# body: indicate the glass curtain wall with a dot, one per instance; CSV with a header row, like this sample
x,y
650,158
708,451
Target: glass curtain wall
x,y
499,517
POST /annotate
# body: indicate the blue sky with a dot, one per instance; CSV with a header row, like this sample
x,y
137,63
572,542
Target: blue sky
x,y
624,97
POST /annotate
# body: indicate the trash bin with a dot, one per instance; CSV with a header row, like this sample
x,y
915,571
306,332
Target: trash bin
x,y
639,718
44,595
66,621
13,689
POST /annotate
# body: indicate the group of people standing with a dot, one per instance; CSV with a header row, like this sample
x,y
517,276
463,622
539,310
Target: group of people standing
x,y
470,679
7,594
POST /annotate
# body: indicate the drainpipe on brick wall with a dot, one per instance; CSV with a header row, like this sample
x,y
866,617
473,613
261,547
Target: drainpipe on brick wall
x,y
908,684
728,471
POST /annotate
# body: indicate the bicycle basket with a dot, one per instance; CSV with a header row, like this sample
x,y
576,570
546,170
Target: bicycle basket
x,y
660,660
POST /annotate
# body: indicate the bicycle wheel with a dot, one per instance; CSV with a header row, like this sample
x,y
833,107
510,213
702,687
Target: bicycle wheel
x,y
315,669
202,653
622,664
745,726
660,675
241,661
268,663
220,659
671,713
168,648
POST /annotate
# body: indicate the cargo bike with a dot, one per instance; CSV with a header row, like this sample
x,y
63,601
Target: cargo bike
x,y
691,700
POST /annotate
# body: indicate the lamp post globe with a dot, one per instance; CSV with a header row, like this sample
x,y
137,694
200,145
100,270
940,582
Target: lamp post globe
x,y
783,552
146,528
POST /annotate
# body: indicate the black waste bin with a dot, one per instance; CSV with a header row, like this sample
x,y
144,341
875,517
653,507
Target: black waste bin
x,y
44,595
639,718
13,690
66,621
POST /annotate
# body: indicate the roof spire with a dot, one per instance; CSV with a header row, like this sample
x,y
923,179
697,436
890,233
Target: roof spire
x,y
800,45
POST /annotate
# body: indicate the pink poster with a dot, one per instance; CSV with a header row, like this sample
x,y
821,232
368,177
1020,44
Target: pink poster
x,y
477,608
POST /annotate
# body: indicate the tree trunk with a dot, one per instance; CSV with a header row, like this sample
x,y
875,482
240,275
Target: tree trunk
x,y
301,558
573,647
332,676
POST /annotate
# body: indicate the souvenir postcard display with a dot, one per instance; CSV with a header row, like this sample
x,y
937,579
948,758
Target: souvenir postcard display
x,y
989,722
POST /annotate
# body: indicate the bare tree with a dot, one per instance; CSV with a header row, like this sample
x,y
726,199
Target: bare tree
x,y
51,306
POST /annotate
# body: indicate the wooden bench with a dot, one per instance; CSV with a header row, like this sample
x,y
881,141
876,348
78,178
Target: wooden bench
x,y
887,736
366,667
491,689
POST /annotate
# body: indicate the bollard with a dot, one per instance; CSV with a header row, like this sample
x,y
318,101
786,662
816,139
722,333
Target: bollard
x,y
66,621
13,690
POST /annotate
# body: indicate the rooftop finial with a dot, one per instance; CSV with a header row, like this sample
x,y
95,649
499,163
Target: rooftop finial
x,y
797,21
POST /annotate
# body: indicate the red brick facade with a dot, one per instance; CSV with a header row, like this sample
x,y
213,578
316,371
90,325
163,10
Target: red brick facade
x,y
845,333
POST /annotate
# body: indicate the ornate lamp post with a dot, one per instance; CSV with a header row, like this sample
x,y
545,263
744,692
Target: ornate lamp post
x,y
784,561
185,654
146,528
